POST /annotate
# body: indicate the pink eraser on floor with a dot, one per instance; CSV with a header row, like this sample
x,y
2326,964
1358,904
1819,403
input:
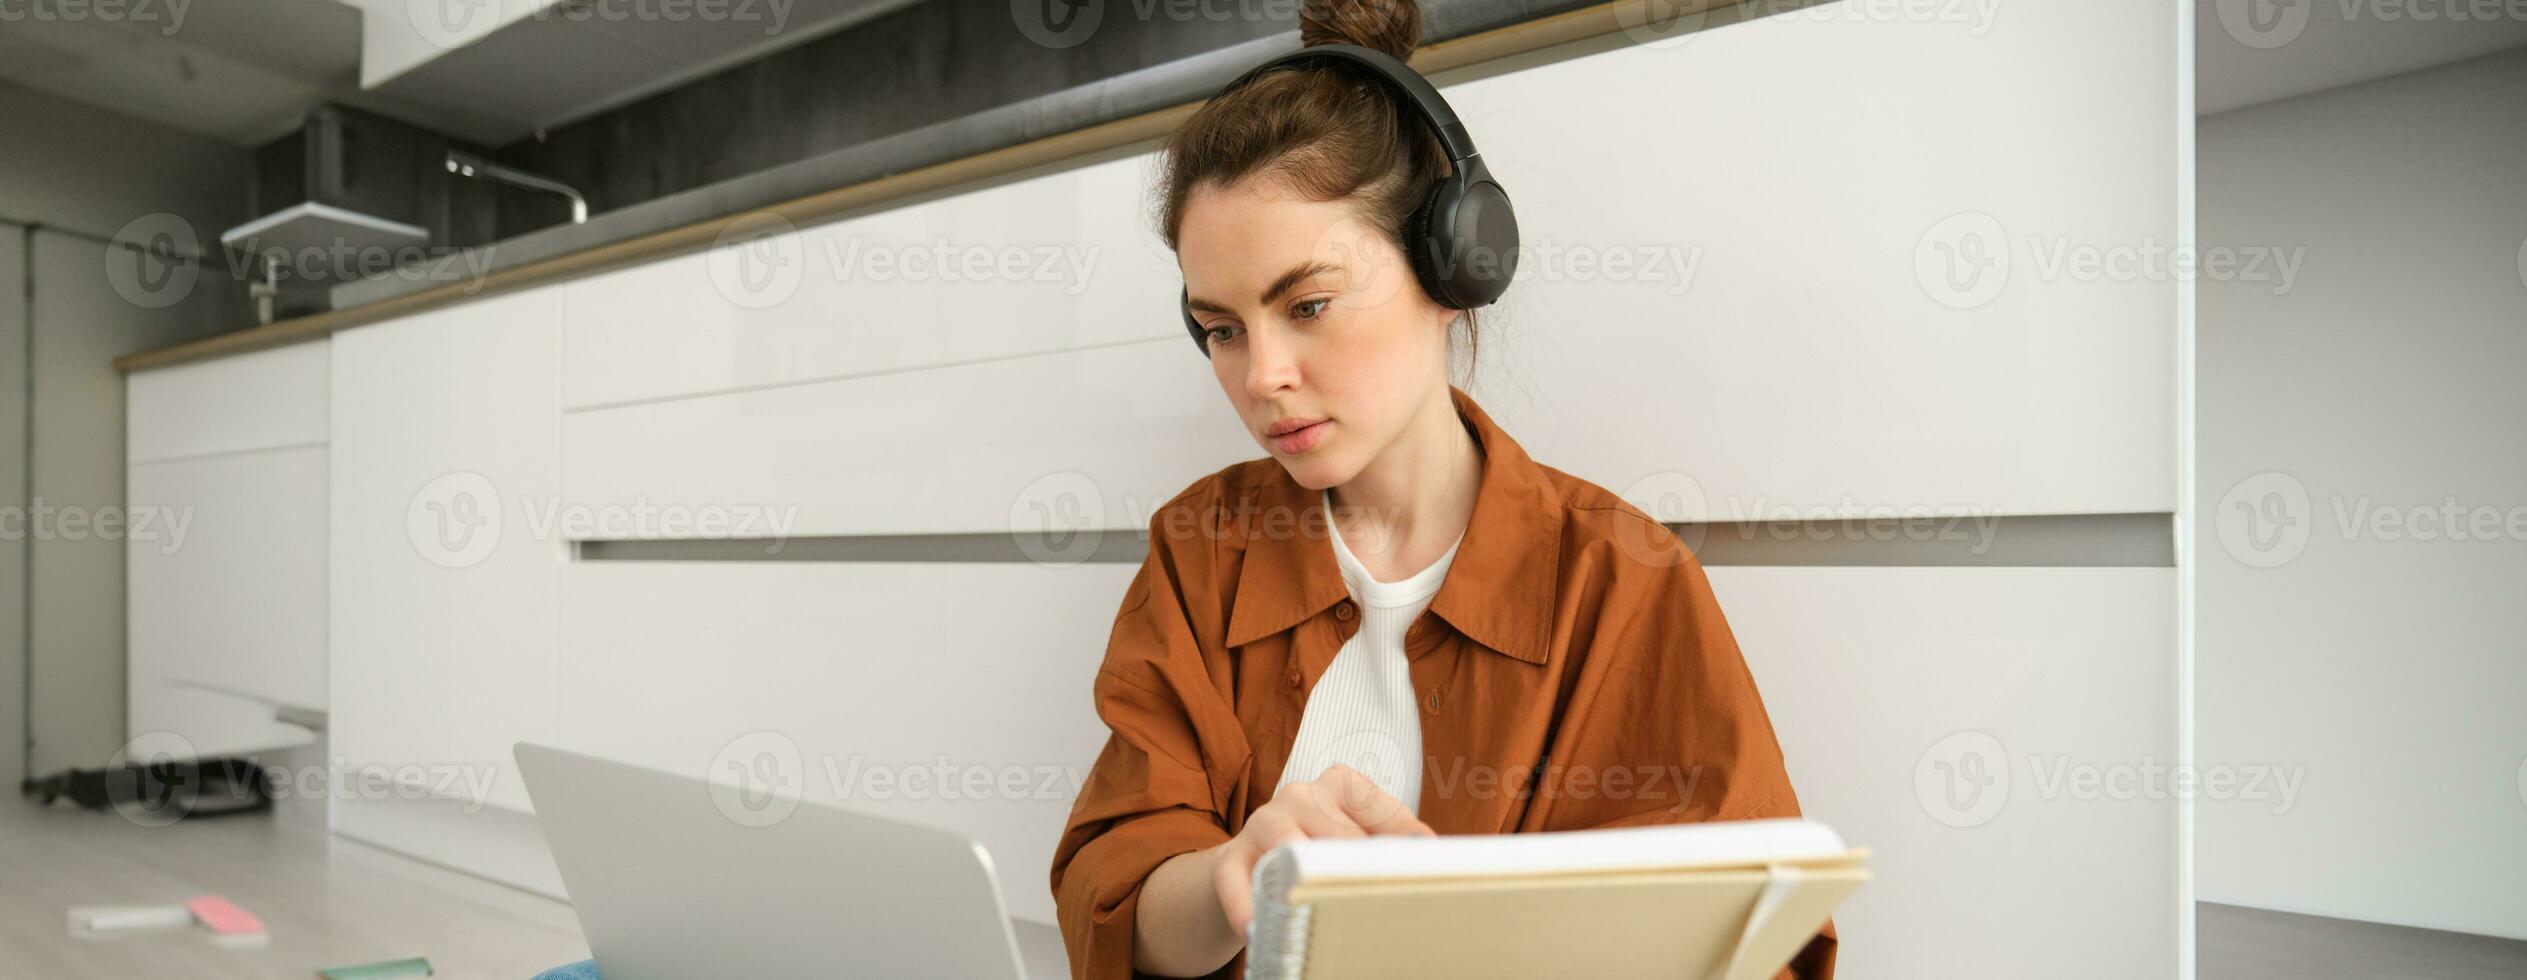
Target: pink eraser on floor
x,y
223,916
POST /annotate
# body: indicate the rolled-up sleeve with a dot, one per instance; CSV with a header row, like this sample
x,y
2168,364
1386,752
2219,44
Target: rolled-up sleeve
x,y
1160,784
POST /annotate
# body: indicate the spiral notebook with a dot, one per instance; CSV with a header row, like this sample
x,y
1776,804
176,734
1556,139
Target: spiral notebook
x,y
1708,901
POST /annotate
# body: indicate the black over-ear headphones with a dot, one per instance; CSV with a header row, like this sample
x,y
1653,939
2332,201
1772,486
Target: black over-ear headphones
x,y
1463,241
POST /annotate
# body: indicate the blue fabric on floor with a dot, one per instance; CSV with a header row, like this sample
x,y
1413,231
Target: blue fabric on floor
x,y
582,970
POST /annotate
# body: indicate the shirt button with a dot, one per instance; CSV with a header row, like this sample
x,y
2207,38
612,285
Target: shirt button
x,y
1293,678
1342,610
1430,703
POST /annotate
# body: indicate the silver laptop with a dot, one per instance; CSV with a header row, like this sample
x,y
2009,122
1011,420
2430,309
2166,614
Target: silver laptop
x,y
675,877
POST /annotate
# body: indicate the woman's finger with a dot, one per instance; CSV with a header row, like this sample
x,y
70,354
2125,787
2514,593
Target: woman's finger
x,y
1230,879
1321,816
1366,806
1235,878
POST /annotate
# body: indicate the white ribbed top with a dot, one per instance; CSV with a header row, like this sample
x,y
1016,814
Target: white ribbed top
x,y
1362,712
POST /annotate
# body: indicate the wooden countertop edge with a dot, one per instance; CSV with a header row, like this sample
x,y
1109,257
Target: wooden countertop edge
x,y
1504,42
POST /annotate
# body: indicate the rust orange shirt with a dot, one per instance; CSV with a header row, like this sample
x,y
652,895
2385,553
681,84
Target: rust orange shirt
x,y
1573,671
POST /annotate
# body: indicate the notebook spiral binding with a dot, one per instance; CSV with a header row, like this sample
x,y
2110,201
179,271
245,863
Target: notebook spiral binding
x,y
1276,938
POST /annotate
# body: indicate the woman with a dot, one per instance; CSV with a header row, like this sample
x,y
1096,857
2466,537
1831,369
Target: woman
x,y
1487,644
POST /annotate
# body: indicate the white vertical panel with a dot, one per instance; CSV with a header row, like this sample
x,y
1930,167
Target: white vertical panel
x,y
257,400
970,448
1751,292
1806,161
1052,262
879,676
227,589
861,668
443,591
225,558
1952,721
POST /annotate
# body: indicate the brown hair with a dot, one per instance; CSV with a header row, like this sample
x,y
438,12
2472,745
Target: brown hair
x,y
1329,131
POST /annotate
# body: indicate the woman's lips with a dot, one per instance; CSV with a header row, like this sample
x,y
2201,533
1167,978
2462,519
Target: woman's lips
x,y
1300,440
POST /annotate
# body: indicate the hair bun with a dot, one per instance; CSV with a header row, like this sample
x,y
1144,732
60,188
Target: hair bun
x,y
1390,26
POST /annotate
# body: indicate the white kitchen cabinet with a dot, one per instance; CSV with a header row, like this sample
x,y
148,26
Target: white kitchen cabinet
x,y
871,685
1104,435
443,585
1054,261
1991,735
1884,286
264,400
225,551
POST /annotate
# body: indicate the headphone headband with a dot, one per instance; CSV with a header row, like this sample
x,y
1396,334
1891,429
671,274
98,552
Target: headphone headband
x,y
1397,75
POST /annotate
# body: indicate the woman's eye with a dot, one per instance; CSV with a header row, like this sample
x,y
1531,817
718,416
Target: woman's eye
x,y
1218,333
1305,303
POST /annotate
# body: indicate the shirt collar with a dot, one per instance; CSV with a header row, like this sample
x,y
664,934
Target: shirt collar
x,y
1499,591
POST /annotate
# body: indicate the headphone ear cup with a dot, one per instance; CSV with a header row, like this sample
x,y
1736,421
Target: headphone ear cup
x,y
1425,251
1478,232
1184,305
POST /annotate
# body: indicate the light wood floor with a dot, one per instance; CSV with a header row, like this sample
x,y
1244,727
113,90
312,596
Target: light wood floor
x,y
325,900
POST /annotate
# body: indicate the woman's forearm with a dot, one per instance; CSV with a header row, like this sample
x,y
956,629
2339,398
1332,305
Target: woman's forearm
x,y
1178,930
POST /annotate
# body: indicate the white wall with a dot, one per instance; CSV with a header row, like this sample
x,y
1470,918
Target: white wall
x,y
79,167
81,322
2389,665
80,175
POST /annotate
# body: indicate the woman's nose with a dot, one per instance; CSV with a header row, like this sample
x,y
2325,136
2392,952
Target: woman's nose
x,y
1272,362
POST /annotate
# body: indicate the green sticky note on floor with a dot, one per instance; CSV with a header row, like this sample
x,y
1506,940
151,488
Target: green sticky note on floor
x,y
414,967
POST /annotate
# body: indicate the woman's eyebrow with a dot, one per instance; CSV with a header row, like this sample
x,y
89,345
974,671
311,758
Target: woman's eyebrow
x,y
1297,274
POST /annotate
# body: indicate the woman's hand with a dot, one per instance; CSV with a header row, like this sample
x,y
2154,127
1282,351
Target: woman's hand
x,y
1178,933
1339,803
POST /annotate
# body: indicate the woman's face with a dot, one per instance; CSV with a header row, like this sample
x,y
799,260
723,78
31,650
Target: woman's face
x,y
1310,313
